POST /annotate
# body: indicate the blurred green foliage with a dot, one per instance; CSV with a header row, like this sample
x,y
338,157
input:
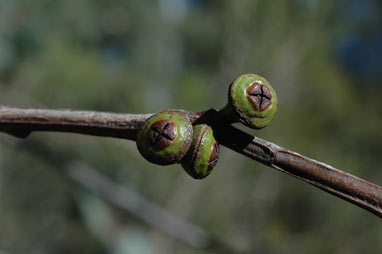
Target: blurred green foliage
x,y
147,56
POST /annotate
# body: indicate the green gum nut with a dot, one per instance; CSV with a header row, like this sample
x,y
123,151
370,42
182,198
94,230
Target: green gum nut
x,y
252,101
165,137
203,154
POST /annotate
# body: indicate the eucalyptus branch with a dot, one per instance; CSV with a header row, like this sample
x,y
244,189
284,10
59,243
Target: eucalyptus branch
x,y
21,122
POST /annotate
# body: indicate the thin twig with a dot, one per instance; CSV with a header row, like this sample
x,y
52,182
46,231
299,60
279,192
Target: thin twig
x,y
337,182
20,122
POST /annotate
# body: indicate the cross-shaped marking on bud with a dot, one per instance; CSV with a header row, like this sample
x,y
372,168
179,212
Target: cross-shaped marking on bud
x,y
260,96
162,133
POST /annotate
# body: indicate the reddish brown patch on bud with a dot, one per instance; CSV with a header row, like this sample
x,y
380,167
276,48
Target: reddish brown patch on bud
x,y
161,134
214,155
260,96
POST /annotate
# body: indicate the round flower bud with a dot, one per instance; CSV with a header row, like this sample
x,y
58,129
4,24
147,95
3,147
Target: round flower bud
x,y
252,101
203,154
165,137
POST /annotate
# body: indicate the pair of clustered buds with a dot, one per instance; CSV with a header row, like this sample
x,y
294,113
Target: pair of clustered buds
x,y
168,137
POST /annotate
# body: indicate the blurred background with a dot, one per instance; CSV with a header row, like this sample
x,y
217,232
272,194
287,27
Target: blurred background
x,y
56,190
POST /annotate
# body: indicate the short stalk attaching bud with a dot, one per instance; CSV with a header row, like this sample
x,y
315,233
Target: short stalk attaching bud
x,y
165,137
203,154
251,101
